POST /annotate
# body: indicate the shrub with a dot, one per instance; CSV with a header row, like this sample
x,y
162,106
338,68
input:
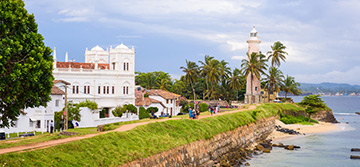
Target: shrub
x,y
154,109
203,107
131,108
119,110
143,113
288,119
89,104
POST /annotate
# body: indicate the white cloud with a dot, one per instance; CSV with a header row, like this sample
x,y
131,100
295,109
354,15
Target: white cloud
x,y
238,57
333,76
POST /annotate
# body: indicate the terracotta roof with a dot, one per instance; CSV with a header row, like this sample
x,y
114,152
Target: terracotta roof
x,y
163,93
148,101
56,91
83,65
62,81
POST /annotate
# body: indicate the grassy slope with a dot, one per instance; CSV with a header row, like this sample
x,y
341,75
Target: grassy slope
x,y
116,148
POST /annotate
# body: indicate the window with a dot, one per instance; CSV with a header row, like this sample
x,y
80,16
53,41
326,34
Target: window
x,y
104,89
77,89
73,89
85,89
127,66
57,102
38,124
127,90
124,66
88,89
113,90
113,64
99,89
124,90
171,101
256,88
167,101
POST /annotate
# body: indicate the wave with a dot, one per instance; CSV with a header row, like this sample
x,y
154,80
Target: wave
x,y
345,114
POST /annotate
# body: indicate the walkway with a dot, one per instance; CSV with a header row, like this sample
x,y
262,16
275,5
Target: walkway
x,y
122,128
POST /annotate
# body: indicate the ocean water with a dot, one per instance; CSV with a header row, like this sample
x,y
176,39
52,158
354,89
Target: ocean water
x,y
330,149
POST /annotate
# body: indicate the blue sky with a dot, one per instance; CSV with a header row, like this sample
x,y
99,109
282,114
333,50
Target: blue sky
x,y
322,36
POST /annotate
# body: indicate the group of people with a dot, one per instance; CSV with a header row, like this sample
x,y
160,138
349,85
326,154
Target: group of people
x,y
194,114
214,109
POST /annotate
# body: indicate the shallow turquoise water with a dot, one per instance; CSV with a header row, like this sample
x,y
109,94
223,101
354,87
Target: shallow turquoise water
x,y
325,149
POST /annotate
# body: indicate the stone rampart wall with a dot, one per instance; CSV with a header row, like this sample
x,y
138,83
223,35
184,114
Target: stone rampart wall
x,y
206,152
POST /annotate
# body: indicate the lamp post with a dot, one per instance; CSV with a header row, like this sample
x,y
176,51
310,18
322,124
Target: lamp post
x,y
66,110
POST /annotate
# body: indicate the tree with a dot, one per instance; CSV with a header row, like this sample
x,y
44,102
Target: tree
x,y
273,81
191,72
277,52
290,86
73,112
236,81
25,63
254,66
204,70
313,104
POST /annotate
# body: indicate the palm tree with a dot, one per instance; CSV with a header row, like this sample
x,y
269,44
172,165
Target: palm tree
x,y
290,86
273,80
213,74
253,66
191,72
225,71
236,81
163,84
204,68
277,52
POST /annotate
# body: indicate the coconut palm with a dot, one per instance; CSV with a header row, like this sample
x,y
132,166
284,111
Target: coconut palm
x,y
191,73
236,81
204,70
213,75
290,86
253,66
273,80
277,52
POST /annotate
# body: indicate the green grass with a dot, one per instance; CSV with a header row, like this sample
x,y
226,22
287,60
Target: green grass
x,y
116,148
38,138
288,119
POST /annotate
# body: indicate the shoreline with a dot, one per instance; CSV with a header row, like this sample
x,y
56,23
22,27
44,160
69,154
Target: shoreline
x,y
322,127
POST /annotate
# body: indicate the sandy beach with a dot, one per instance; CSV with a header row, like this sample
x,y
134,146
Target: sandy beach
x,y
307,129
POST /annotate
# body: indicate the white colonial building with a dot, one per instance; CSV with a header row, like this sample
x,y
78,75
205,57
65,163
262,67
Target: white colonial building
x,y
166,102
39,118
107,77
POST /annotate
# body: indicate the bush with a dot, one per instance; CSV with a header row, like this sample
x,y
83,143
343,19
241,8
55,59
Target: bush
x,y
131,108
154,109
89,104
119,110
143,113
203,107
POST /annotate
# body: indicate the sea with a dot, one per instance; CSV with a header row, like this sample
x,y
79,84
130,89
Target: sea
x,y
328,149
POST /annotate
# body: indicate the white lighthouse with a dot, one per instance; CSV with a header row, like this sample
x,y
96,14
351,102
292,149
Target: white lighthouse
x,y
254,95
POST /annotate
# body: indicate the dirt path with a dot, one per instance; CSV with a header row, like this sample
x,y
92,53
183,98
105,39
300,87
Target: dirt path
x,y
120,129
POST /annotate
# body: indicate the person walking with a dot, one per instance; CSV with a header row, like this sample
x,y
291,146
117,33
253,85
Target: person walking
x,y
211,110
51,126
190,113
197,113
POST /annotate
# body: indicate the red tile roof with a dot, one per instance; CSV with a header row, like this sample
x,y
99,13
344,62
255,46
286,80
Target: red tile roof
x,y
56,91
83,65
163,93
148,101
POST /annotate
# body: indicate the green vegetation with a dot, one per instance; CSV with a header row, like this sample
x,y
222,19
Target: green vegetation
x,y
116,148
143,113
39,137
152,109
288,119
313,104
203,107
25,63
120,110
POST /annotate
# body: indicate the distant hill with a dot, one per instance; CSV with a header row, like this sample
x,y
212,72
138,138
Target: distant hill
x,y
329,88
